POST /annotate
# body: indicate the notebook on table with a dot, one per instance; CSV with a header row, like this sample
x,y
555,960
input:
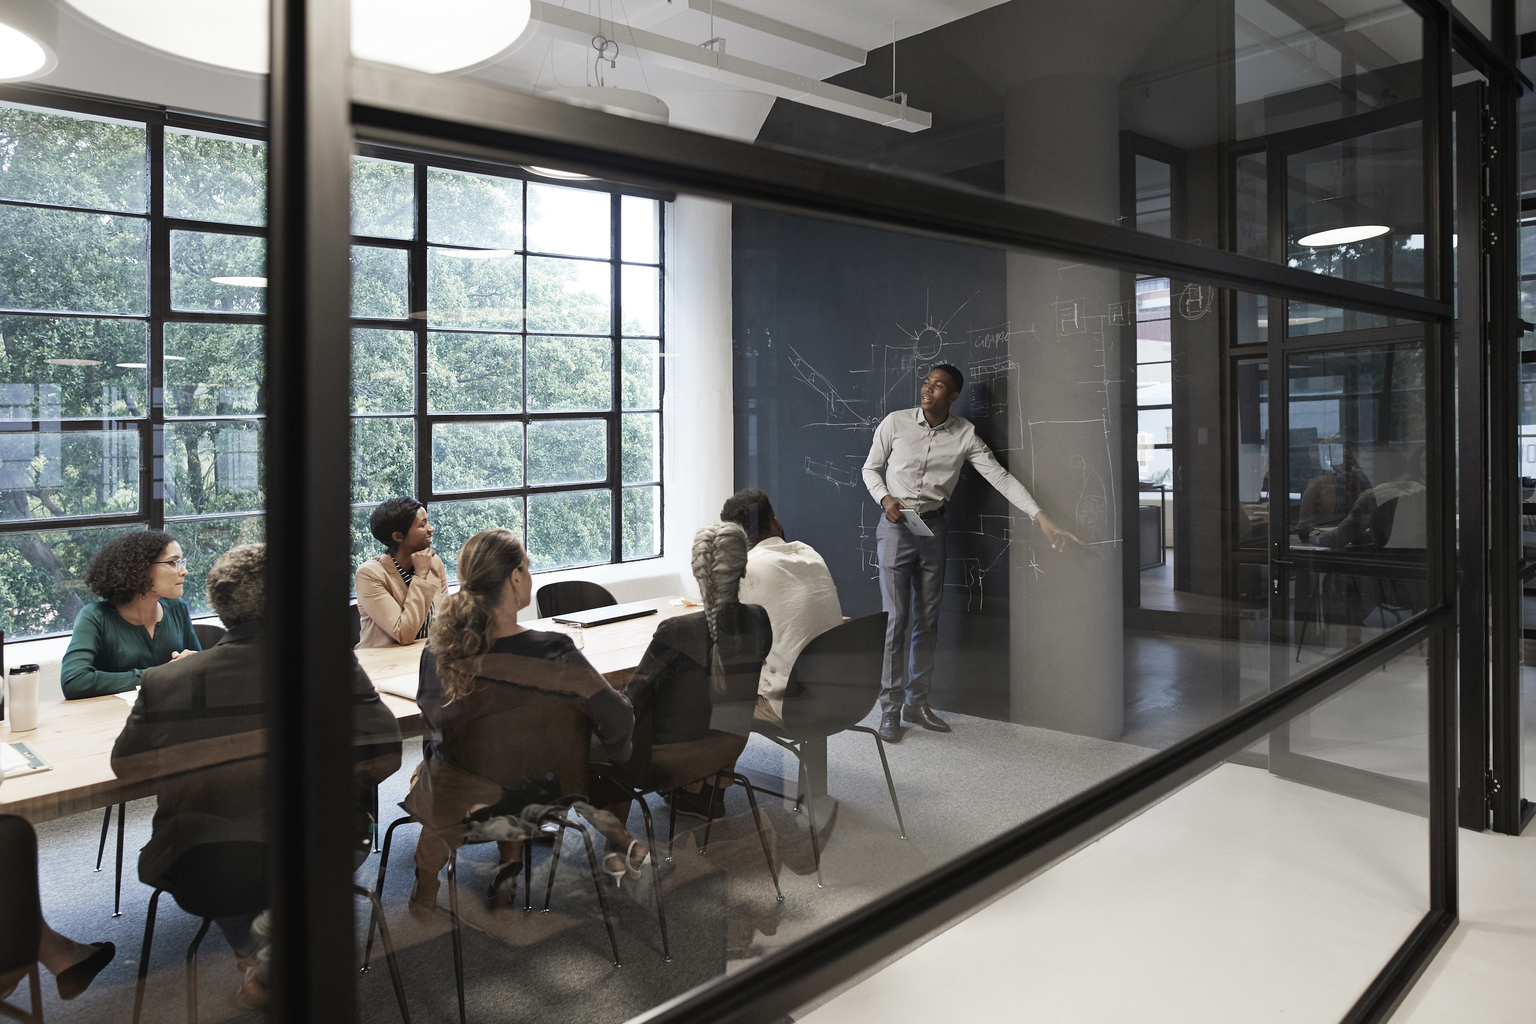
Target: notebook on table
x,y
603,616
18,758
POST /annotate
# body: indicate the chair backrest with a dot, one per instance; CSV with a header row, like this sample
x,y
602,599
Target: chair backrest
x,y
208,634
543,735
836,678
21,911
1381,523
569,596
356,622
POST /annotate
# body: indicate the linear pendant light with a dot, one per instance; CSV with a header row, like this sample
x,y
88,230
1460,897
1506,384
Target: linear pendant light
x,y
446,35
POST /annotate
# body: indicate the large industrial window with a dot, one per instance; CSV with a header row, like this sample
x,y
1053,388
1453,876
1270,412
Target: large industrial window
x,y
506,352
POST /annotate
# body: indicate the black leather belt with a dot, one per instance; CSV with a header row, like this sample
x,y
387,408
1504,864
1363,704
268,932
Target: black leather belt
x,y
932,514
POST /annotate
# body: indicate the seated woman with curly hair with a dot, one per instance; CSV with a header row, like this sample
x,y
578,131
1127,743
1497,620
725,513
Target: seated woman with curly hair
x,y
140,622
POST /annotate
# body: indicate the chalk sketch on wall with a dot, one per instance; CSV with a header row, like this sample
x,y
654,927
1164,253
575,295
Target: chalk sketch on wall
x,y
826,470
840,413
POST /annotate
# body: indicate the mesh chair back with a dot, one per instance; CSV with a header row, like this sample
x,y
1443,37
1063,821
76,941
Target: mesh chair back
x,y
569,596
208,634
224,879
540,736
836,679
21,912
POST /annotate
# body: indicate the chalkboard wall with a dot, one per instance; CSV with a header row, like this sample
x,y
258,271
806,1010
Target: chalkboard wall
x,y
834,327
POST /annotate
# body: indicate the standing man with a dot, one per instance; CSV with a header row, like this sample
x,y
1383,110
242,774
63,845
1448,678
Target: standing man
x,y
921,452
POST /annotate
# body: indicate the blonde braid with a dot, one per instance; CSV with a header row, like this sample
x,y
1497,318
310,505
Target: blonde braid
x,y
461,629
719,555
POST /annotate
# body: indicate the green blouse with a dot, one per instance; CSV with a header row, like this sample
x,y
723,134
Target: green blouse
x,y
106,653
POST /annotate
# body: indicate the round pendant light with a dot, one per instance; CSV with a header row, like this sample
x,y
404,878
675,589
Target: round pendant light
x,y
1339,220
626,102
450,36
28,31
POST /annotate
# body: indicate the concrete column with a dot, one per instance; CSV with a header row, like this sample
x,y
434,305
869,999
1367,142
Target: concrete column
x,y
698,435
1061,147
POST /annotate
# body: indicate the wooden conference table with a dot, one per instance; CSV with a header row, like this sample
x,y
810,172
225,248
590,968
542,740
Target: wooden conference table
x,y
76,736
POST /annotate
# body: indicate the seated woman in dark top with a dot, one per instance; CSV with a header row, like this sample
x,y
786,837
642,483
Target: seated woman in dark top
x,y
699,676
480,663
140,622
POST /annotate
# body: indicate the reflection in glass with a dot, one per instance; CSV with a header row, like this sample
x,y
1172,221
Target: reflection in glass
x,y
214,466
383,198
218,273
474,372
474,293
383,371
73,366
474,209
74,262
569,295
567,452
73,160
381,282
46,474
214,369
477,456
569,373
213,177
569,528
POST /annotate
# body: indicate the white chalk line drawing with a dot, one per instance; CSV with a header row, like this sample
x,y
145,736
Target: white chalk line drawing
x,y
1195,301
827,471
1100,508
840,413
1034,563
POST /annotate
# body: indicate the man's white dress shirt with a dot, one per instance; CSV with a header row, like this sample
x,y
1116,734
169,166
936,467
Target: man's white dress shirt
x,y
791,581
922,463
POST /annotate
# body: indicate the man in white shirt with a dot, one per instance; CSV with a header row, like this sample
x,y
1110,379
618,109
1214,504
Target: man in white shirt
x,y
920,453
792,583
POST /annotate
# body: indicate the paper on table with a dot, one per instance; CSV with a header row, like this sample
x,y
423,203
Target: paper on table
x,y
18,758
130,696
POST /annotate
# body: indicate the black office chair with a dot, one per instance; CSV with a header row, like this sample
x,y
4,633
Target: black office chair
x,y
569,596
224,879
21,911
356,620
833,686
208,634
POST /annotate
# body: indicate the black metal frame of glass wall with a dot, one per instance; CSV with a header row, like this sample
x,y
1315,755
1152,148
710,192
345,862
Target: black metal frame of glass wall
x,y
159,312
421,327
320,98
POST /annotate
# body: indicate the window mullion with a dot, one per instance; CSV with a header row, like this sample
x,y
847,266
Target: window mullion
x,y
152,461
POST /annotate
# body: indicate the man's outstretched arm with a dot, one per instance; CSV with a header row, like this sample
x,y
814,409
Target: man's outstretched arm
x,y
1017,494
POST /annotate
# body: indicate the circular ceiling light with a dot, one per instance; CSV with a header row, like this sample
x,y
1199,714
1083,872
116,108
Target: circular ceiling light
x,y
243,282
28,29
73,362
233,34
1342,236
133,366
551,172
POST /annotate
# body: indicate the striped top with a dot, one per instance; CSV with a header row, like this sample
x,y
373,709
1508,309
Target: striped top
x,y
408,575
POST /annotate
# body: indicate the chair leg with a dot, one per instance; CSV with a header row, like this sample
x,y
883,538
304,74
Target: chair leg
x,y
101,847
661,914
901,827
149,935
37,993
389,835
762,836
671,824
117,895
709,813
453,912
192,970
810,813
554,864
597,883
389,948
527,878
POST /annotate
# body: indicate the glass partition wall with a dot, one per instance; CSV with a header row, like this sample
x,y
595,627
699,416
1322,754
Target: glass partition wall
x,y
842,273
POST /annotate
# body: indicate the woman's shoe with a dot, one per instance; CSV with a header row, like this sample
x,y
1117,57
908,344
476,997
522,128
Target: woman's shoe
x,y
618,866
503,890
633,868
78,978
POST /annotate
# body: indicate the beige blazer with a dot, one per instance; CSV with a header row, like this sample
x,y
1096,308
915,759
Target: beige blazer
x,y
389,611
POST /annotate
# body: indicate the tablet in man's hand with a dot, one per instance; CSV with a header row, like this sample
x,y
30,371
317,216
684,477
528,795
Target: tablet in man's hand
x,y
915,523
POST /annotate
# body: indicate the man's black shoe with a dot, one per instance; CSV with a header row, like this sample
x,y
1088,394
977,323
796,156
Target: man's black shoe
x,y
890,726
922,714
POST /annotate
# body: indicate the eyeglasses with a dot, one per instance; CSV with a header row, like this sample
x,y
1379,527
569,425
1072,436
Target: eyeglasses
x,y
174,563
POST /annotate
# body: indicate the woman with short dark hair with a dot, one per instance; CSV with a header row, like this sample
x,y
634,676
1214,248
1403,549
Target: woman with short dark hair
x,y
140,621
396,591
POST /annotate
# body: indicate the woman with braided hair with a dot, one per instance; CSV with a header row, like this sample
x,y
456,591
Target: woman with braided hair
x,y
699,677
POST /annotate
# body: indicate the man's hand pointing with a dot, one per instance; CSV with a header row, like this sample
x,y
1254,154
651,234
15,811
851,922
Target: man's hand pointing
x,y
1055,534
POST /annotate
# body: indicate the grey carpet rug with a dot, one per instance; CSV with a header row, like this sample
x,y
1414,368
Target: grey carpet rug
x,y
956,791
